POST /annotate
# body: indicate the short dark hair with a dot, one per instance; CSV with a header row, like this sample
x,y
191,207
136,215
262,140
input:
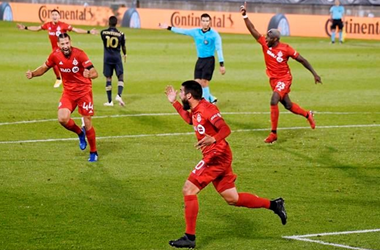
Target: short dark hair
x,y
205,15
63,35
194,88
55,10
112,21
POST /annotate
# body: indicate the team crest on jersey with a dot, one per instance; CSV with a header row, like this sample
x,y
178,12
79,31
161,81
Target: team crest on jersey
x,y
199,118
75,62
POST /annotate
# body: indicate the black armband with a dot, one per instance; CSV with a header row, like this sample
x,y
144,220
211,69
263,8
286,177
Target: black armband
x,y
26,27
169,27
221,64
90,67
88,32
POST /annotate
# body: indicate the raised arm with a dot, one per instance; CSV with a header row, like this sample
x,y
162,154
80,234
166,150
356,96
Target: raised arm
x,y
307,65
250,26
21,26
171,94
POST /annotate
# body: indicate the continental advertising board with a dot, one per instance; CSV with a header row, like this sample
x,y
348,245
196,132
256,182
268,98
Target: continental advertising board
x,y
224,22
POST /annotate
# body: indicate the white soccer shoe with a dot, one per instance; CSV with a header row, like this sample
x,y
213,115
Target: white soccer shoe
x,y
57,83
118,98
108,104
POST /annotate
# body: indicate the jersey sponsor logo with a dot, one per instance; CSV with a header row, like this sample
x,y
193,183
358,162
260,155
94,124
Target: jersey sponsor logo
x,y
215,116
278,57
65,70
52,33
201,130
75,69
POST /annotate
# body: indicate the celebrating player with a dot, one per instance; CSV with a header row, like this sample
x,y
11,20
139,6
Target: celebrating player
x,y
207,40
211,131
113,40
276,55
77,71
54,28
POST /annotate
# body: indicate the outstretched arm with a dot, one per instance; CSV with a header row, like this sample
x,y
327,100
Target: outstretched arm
x,y
82,31
21,26
307,65
37,72
250,26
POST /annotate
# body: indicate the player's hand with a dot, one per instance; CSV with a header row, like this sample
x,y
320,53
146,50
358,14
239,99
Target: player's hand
x,y
317,79
94,31
171,93
222,70
206,141
243,9
163,25
20,26
86,73
29,74
125,58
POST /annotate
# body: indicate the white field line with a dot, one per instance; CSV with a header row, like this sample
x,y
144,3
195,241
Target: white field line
x,y
307,236
173,114
189,133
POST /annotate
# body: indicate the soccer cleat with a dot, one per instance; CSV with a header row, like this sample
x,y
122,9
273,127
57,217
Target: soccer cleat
x,y
82,139
279,209
118,98
271,138
183,242
108,104
93,157
57,83
310,118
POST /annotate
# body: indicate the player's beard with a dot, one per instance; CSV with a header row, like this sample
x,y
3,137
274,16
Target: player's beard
x,y
186,104
66,52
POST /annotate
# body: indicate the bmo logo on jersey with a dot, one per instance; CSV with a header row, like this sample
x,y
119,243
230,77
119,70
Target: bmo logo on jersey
x,y
75,69
278,57
200,129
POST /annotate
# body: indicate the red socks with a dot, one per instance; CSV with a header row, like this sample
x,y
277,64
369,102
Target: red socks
x,y
191,213
91,139
274,113
73,127
298,110
252,201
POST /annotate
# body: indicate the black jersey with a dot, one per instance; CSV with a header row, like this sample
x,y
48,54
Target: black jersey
x,y
113,41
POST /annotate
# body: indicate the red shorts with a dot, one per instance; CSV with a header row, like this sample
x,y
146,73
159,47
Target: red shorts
x,y
216,169
282,87
85,103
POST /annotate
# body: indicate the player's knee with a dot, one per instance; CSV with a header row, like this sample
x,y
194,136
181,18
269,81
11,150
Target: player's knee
x,y
288,106
231,200
63,120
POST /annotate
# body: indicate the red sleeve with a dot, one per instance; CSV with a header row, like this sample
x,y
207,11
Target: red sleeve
x,y
45,26
68,27
223,130
292,53
183,113
85,61
50,61
262,41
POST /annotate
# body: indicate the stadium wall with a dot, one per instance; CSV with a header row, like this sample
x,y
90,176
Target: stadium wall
x,y
225,22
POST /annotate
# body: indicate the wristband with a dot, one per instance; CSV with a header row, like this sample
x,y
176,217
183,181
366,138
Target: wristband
x,y
88,32
26,27
245,16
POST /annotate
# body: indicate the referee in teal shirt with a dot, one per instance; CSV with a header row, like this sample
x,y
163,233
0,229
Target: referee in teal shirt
x,y
337,12
207,40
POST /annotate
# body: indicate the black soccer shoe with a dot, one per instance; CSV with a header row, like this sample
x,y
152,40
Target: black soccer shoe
x,y
183,242
279,209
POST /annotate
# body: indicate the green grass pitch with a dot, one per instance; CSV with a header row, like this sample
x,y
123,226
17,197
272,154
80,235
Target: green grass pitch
x,y
51,198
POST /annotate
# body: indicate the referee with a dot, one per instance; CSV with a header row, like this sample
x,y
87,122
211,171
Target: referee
x,y
337,12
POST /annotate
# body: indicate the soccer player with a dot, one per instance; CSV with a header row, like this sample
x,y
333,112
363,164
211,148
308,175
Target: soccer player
x,y
276,55
207,40
113,40
211,131
54,28
337,12
77,71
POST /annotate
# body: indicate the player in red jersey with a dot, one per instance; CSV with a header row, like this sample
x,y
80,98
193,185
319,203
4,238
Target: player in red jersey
x,y
54,28
216,166
276,55
77,71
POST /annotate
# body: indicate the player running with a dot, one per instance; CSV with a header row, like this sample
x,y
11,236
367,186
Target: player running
x,y
55,28
77,71
276,56
216,166
113,40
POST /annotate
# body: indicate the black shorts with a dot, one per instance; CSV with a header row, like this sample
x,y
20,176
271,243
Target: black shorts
x,y
204,68
337,22
108,69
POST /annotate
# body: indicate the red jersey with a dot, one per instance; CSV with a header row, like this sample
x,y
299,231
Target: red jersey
x,y
71,69
276,59
54,30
